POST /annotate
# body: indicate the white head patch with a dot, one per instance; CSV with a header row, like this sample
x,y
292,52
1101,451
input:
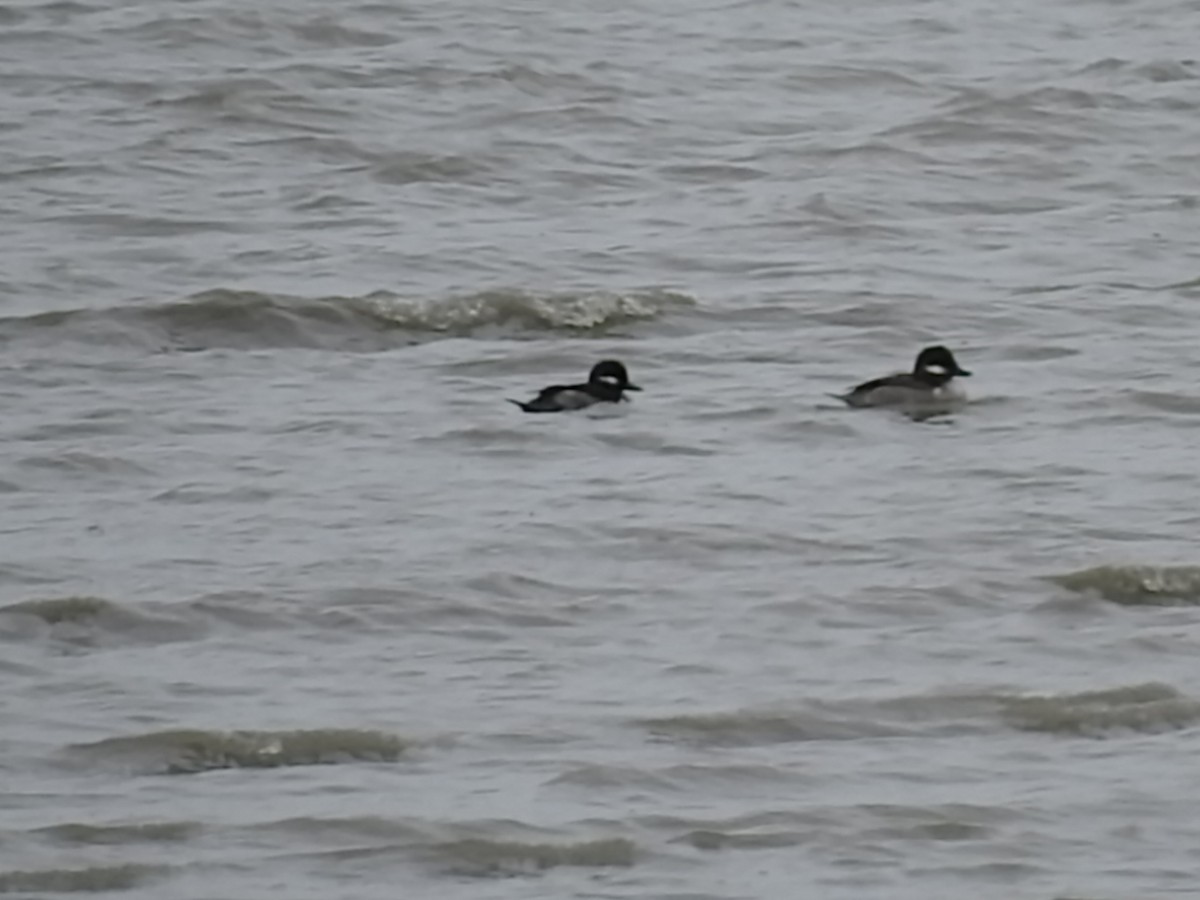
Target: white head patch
x,y
935,369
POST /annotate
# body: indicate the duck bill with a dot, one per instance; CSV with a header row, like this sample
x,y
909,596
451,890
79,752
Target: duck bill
x,y
964,373
631,387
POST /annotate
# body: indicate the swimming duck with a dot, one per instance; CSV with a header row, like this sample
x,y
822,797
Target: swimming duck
x,y
930,381
606,383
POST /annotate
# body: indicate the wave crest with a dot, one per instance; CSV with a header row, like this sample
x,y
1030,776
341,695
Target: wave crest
x,y
380,320
1137,585
764,726
83,833
94,879
586,311
93,621
480,856
1147,708
189,751
56,610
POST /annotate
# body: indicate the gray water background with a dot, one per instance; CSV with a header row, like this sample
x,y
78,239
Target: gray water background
x,y
295,605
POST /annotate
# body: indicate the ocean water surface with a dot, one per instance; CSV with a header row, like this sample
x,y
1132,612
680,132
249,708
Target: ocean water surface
x,y
294,604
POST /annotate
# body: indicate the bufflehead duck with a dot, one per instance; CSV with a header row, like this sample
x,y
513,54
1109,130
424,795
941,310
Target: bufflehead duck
x,y
928,382
606,383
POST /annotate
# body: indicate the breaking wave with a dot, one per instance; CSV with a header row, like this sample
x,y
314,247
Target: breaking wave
x,y
1137,585
1148,708
190,751
225,318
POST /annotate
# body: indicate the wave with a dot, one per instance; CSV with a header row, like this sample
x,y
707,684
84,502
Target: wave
x,y
1148,708
226,318
1167,401
86,622
485,847
190,751
93,621
704,839
764,726
149,832
63,609
747,831
349,829
481,856
1137,585
94,879
788,828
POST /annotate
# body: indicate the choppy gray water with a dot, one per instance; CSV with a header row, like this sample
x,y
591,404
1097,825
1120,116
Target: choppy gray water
x,y
295,605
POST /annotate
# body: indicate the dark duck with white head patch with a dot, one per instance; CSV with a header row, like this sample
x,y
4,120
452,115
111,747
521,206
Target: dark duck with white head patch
x,y
930,381
607,383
